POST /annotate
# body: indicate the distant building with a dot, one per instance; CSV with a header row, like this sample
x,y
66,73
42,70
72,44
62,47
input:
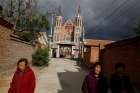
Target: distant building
x,y
126,51
92,48
66,36
42,40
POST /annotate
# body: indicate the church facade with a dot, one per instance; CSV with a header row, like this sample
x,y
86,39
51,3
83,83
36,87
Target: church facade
x,y
66,36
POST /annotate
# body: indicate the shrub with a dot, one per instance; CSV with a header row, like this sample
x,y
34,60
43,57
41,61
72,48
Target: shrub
x,y
41,57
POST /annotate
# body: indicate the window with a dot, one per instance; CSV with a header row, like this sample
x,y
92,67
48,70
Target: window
x,y
57,39
64,38
75,38
86,49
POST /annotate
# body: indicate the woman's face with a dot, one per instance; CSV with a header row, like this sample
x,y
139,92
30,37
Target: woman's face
x,y
97,70
120,70
22,66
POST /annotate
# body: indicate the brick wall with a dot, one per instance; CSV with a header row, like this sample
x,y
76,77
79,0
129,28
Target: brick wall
x,y
18,49
93,47
91,55
4,37
94,54
126,51
11,50
87,55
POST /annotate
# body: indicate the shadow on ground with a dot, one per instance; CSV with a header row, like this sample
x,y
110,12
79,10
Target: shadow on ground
x,y
71,82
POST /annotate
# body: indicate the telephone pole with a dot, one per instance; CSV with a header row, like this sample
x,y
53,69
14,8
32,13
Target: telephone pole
x,y
52,14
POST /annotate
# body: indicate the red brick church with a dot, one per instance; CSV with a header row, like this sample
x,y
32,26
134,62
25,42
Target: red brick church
x,y
66,36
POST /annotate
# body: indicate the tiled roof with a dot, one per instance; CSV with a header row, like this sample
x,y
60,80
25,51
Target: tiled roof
x,y
124,42
96,42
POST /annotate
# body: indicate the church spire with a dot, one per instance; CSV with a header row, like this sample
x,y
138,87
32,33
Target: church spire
x,y
60,10
78,17
78,11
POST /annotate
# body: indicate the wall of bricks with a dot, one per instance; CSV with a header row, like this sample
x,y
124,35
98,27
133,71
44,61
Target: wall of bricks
x,y
94,54
87,55
4,37
91,55
93,47
128,52
11,50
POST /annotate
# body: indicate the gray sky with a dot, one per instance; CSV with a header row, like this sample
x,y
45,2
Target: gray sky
x,y
103,19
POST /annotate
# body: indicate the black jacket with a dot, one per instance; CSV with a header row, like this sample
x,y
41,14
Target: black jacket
x,y
118,84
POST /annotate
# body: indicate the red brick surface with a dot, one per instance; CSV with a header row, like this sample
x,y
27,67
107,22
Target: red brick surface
x,y
126,51
93,48
11,50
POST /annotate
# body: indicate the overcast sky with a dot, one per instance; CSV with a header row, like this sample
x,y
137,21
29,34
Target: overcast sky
x,y
104,19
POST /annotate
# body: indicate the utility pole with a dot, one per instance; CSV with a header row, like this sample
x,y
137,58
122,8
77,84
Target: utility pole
x,y
83,30
81,46
52,13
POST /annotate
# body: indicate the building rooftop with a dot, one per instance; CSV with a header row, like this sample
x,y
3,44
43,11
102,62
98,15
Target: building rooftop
x,y
5,23
124,42
96,42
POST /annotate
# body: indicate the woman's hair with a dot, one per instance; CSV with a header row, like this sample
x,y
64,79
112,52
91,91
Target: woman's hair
x,y
95,65
23,60
119,65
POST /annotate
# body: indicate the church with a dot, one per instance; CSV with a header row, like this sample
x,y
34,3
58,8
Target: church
x,y
66,36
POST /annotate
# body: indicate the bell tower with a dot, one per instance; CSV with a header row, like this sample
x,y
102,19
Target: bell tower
x,y
79,20
58,26
58,22
78,25
58,19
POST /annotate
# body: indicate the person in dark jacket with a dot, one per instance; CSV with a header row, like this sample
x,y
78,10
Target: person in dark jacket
x,y
24,79
119,82
95,82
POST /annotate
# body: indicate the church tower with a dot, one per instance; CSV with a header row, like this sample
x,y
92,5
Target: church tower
x,y
79,20
58,26
58,22
59,18
78,25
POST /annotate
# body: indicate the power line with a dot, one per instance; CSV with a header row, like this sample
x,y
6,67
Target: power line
x,y
107,8
125,12
104,11
134,6
112,13
120,14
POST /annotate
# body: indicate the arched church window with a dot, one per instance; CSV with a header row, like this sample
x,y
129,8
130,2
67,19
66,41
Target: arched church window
x,y
57,37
